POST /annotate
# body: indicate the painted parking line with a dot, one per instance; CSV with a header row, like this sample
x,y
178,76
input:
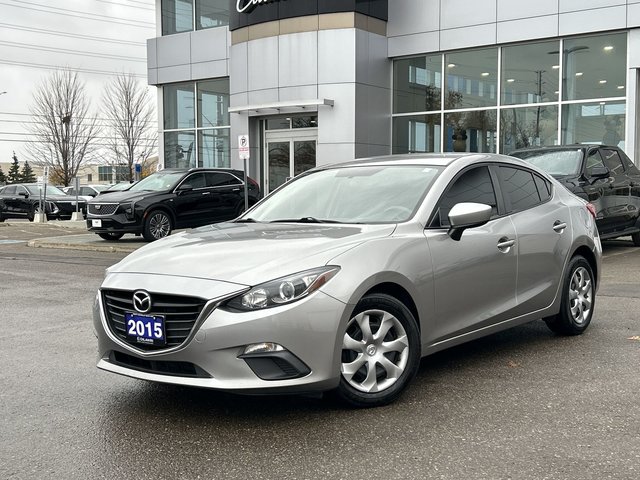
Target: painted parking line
x,y
4,242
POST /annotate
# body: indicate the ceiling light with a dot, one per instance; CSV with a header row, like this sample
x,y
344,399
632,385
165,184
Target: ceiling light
x,y
485,74
602,82
620,87
608,48
555,67
451,65
556,92
511,80
579,74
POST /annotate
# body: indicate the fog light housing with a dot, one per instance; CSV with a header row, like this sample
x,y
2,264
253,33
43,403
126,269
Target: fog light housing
x,y
265,347
271,361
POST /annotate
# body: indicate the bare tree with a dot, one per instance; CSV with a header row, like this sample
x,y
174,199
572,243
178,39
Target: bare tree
x,y
64,132
130,115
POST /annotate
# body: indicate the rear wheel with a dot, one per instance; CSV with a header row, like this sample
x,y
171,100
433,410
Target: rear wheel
x,y
578,299
157,225
380,352
636,239
110,236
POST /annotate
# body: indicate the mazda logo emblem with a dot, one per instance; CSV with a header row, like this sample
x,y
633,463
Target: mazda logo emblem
x,y
142,301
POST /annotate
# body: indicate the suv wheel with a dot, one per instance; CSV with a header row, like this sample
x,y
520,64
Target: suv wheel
x,y
157,225
380,352
110,236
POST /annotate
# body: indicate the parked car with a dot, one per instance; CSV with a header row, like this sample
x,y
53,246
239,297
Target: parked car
x,y
344,277
168,199
600,174
23,201
86,192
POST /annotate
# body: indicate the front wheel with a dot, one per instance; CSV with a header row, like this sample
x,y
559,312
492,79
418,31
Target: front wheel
x,y
110,236
578,299
157,225
380,352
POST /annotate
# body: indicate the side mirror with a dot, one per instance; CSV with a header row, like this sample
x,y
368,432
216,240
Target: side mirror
x,y
599,172
467,215
185,187
23,194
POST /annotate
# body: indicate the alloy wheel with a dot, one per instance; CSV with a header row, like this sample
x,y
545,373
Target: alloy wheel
x,y
159,225
580,295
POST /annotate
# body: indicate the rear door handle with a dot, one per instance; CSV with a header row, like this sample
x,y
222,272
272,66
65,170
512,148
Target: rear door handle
x,y
505,244
559,226
206,193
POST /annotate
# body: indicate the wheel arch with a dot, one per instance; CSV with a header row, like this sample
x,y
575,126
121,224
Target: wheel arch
x,y
590,257
399,293
161,207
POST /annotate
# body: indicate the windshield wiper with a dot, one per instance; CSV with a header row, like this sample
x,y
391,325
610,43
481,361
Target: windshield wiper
x,y
303,220
245,220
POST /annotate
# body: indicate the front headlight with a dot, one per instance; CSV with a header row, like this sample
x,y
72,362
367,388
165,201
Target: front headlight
x,y
283,290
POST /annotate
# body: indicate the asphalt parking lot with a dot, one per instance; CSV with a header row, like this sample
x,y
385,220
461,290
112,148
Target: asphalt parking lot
x,y
522,404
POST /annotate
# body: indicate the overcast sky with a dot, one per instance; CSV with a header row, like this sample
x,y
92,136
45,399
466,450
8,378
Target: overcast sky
x,y
97,38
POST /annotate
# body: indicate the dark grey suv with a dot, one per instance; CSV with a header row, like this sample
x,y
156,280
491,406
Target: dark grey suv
x,y
169,199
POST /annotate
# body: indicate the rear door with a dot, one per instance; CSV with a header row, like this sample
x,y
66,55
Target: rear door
x,y
620,211
227,195
543,228
192,206
595,189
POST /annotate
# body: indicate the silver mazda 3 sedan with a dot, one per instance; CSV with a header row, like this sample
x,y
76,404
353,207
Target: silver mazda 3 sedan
x,y
343,278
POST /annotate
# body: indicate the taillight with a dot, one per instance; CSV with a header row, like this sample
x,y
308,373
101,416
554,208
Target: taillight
x,y
592,210
252,182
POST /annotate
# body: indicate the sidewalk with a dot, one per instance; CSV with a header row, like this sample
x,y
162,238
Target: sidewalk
x,y
80,241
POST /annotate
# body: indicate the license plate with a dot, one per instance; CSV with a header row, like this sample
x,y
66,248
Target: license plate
x,y
146,329
96,223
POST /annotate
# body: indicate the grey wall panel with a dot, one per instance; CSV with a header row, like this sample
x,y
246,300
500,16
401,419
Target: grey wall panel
x,y
372,120
610,18
576,5
633,16
152,76
179,73
464,13
527,29
336,54
259,97
334,152
409,16
306,92
364,150
152,52
209,44
414,44
512,10
174,50
298,59
634,48
214,69
237,100
238,69
380,67
262,66
468,37
337,123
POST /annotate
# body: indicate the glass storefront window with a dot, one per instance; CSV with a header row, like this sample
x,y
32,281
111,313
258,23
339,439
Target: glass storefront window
x,y
417,133
595,67
528,127
594,123
471,79
178,105
214,148
213,103
473,131
177,16
179,149
530,73
211,13
417,84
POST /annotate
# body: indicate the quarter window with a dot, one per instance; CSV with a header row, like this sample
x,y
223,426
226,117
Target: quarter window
x,y
520,188
474,185
544,188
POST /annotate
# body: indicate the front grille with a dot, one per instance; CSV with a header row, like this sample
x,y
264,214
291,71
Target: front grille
x,y
180,314
103,208
162,367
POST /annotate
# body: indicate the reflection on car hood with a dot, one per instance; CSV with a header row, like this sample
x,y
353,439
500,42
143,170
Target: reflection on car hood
x,y
248,253
63,198
126,196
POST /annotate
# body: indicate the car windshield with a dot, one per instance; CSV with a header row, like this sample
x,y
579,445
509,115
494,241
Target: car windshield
x,y
100,188
559,163
157,182
355,194
51,190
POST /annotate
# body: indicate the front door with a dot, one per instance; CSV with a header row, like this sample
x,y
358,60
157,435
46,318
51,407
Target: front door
x,y
288,154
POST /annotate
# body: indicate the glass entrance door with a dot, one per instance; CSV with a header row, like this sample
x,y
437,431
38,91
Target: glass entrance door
x,y
288,154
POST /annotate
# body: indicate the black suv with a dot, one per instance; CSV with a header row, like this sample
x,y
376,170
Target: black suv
x,y
168,199
23,201
602,175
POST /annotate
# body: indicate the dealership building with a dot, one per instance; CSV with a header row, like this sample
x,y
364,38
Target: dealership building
x,y
314,82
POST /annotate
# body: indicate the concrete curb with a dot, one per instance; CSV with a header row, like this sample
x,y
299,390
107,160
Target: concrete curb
x,y
85,242
54,223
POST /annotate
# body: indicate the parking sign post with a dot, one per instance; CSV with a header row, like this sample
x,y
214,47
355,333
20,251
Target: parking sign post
x,y
77,216
243,148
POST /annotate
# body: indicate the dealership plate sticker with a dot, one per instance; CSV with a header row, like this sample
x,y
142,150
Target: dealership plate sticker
x,y
96,223
146,329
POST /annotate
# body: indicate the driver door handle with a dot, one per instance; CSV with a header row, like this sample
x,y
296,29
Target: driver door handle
x,y
505,244
559,226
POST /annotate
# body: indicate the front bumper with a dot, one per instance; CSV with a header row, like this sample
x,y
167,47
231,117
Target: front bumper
x,y
212,357
117,223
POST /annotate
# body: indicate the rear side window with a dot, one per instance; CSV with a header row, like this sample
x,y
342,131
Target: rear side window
x,y
221,179
474,186
544,187
519,188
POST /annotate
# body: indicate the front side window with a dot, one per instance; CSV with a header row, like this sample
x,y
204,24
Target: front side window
x,y
594,160
612,161
473,186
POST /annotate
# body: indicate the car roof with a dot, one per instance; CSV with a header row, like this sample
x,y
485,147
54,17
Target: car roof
x,y
574,146
426,159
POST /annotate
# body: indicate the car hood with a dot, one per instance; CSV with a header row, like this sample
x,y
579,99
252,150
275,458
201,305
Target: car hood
x,y
248,253
64,198
126,196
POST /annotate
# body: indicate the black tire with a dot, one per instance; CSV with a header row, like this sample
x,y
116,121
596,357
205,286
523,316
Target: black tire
x,y
578,299
157,225
403,358
110,236
33,212
636,239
